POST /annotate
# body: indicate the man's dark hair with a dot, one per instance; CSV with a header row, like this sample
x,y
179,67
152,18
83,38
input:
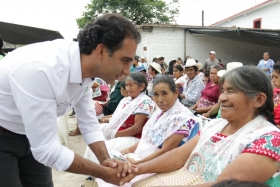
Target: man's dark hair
x,y
109,30
236,183
179,58
154,59
161,58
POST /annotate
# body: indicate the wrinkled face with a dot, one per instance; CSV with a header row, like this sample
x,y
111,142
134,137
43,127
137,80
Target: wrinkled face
x,y
191,73
118,63
213,76
276,79
235,105
265,56
132,88
124,92
176,73
164,97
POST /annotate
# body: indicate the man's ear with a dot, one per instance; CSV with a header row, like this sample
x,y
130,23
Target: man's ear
x,y
100,49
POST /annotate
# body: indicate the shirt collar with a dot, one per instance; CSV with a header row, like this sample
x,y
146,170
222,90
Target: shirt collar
x,y
75,63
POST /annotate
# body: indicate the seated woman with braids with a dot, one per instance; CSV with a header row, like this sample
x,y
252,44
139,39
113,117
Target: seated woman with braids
x,y
125,126
171,125
244,144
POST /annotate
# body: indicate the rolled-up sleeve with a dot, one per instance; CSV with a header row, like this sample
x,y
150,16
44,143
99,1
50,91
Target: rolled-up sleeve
x,y
34,87
87,120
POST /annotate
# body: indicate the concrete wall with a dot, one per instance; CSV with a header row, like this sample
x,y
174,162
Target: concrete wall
x,y
270,18
167,42
198,47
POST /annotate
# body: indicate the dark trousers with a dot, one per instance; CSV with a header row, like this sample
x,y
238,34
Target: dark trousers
x,y
17,165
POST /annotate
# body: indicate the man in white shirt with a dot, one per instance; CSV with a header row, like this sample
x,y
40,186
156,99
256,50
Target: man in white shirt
x,y
42,81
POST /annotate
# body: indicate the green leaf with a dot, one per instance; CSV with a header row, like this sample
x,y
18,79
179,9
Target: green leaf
x,y
138,11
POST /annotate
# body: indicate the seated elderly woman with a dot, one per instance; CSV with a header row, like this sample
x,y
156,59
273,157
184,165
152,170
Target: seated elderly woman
x,y
244,145
210,94
125,127
171,125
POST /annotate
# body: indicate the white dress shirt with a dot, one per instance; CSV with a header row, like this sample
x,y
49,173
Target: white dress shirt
x,y
40,82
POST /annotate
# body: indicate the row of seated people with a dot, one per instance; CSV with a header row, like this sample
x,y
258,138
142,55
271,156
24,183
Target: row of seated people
x,y
245,137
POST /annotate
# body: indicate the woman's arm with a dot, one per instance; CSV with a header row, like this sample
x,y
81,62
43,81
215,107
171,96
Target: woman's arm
x,y
194,106
214,110
178,85
203,110
170,143
139,122
250,167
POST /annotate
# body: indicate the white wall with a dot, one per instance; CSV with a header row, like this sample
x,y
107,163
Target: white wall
x,y
167,42
270,18
199,45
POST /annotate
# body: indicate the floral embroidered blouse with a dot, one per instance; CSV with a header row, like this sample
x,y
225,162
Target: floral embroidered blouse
x,y
267,145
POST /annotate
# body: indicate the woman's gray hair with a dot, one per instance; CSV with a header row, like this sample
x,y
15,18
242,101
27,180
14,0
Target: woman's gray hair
x,y
138,78
252,81
217,67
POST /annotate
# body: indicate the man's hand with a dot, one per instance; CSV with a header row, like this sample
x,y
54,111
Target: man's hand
x,y
110,176
123,167
127,178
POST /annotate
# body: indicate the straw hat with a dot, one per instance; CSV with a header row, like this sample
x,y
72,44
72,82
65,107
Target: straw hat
x,y
192,62
156,66
230,66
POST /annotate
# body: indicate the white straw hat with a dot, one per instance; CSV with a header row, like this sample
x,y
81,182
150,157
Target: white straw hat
x,y
230,66
156,66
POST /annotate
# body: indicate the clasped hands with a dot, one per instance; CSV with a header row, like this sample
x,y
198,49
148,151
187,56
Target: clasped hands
x,y
119,172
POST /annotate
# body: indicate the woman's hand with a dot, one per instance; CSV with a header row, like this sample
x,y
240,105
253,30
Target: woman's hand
x,y
125,151
206,115
123,167
199,110
104,120
132,161
192,107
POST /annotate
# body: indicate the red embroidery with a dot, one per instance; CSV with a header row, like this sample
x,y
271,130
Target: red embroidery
x,y
275,141
260,142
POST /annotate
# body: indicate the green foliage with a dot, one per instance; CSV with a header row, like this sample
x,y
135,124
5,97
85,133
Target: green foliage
x,y
138,11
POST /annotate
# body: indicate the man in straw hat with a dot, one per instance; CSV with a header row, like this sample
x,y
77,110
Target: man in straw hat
x,y
155,71
193,85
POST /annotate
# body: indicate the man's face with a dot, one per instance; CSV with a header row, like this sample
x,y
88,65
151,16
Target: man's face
x,y
212,56
265,56
113,67
191,73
